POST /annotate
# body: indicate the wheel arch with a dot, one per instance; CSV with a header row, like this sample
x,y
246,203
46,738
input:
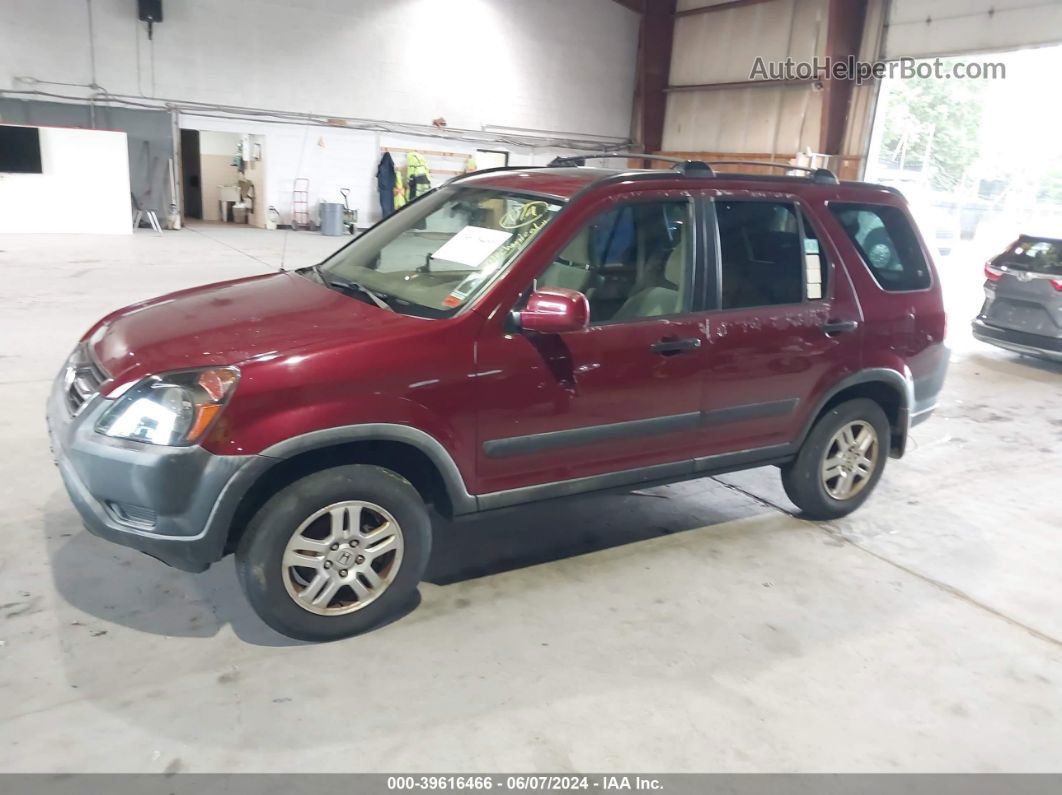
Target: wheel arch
x,y
413,454
890,389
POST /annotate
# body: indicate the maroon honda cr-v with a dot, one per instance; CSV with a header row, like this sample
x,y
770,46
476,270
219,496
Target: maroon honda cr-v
x,y
515,335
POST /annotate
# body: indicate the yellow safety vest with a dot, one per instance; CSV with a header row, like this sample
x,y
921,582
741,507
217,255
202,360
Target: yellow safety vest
x,y
399,191
417,174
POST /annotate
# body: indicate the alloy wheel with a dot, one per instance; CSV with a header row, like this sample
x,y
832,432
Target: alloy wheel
x,y
342,558
850,460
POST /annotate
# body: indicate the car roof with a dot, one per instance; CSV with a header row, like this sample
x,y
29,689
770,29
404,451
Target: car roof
x,y
1053,238
562,183
565,182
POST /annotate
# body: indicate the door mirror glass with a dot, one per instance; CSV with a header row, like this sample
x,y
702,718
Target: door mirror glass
x,y
555,310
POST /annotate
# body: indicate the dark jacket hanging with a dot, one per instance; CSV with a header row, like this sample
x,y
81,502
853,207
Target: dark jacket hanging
x,y
385,184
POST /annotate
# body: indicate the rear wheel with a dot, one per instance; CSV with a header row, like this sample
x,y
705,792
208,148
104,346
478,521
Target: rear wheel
x,y
840,462
335,553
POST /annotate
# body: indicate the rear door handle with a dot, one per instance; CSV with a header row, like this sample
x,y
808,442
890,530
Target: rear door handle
x,y
670,347
831,327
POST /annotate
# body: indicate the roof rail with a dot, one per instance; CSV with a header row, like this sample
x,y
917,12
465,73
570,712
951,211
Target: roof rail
x,y
699,168
822,176
683,165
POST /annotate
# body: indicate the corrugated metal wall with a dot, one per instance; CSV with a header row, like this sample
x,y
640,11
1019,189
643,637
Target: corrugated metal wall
x,y
780,120
761,121
721,47
925,28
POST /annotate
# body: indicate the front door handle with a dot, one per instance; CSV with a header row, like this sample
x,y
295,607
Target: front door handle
x,y
831,327
671,347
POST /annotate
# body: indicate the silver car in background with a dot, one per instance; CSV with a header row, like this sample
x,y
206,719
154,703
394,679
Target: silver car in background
x,y
1022,311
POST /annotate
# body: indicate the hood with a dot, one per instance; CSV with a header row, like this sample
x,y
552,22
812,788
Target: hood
x,y
232,322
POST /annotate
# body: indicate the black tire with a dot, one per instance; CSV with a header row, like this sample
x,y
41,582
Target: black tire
x,y
802,478
261,550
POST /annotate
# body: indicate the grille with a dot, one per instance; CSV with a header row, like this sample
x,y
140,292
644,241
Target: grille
x,y
83,379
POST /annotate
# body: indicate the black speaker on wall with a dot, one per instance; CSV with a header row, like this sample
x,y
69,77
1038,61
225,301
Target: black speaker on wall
x,y
149,10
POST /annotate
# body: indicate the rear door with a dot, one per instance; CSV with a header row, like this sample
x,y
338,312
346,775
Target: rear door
x,y
785,324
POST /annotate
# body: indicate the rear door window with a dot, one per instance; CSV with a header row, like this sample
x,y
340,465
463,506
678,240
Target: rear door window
x,y
887,243
766,256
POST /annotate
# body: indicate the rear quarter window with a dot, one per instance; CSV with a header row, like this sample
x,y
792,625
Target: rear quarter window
x,y
887,243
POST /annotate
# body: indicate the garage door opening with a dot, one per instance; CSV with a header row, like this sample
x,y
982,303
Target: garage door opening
x,y
977,158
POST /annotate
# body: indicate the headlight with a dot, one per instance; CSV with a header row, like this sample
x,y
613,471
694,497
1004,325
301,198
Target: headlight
x,y
170,409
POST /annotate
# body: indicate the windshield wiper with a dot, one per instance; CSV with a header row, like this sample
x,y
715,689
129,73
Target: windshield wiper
x,y
353,287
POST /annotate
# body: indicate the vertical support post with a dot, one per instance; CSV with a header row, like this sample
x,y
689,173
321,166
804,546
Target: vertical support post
x,y
845,22
654,67
177,172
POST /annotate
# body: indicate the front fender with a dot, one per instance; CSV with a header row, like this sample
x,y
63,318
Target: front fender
x,y
460,499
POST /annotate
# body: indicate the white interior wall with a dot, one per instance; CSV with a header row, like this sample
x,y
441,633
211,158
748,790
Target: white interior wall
x,y
83,187
335,157
330,158
532,66
541,64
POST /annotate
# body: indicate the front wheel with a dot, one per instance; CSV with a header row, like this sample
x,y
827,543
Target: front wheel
x,y
335,553
840,462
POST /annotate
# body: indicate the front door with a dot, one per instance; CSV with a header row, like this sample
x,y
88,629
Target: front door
x,y
623,394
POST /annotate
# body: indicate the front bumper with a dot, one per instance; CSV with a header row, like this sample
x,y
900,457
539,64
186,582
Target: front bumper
x,y
173,503
1018,341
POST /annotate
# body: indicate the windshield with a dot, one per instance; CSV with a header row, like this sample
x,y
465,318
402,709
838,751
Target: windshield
x,y
439,253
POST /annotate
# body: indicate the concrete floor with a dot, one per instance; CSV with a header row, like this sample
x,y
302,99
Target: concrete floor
x,y
691,628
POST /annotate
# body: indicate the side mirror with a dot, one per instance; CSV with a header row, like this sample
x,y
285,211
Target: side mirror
x,y
555,310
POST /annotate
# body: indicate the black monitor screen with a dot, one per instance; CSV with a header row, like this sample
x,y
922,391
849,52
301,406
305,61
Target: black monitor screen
x,y
20,150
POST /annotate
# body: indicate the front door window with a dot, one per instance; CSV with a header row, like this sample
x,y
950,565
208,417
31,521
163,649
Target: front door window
x,y
631,262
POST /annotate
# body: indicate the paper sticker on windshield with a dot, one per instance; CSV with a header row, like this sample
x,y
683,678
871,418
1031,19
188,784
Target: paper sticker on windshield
x,y
521,215
459,293
469,248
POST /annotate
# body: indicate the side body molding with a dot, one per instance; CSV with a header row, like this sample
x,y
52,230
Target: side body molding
x,y
464,502
460,499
